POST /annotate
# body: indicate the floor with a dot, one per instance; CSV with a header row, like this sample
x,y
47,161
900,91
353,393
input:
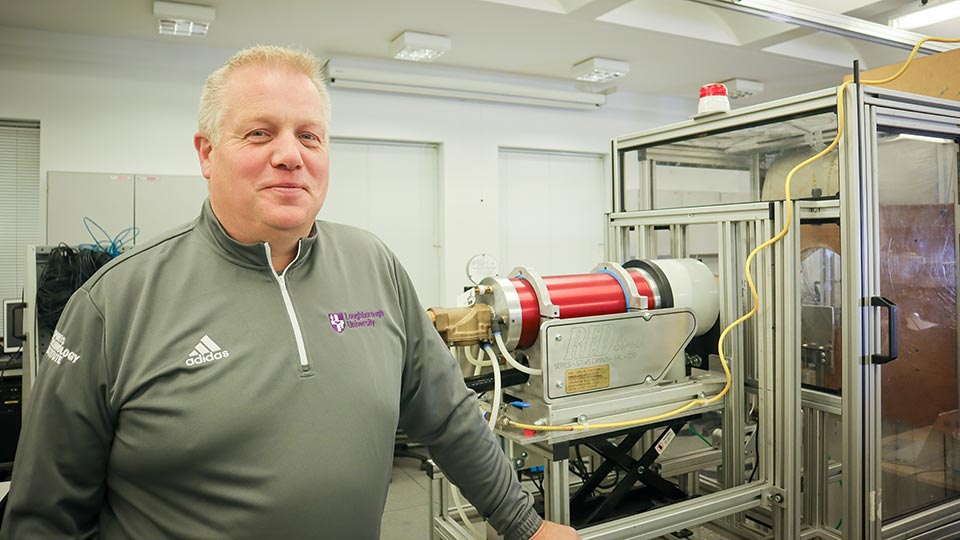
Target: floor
x,y
406,514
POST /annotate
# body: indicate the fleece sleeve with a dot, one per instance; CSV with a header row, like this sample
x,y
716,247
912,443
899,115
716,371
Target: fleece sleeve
x,y
59,473
438,410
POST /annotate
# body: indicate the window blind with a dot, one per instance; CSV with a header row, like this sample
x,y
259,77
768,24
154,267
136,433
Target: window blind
x,y
19,201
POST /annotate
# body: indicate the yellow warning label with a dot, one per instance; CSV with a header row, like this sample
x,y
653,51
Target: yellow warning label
x,y
588,378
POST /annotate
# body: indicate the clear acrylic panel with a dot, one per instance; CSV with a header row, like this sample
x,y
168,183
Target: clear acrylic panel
x,y
920,464
746,164
820,295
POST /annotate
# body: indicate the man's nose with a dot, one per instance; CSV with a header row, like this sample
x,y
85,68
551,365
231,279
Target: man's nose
x,y
286,152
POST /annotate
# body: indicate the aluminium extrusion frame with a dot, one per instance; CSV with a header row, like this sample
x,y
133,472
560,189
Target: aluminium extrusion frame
x,y
817,409
776,494
827,21
779,400
880,109
739,227
868,110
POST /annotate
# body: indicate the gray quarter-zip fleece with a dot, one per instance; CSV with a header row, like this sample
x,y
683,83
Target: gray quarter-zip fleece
x,y
193,392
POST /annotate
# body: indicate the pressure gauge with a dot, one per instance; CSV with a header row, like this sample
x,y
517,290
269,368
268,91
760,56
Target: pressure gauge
x,y
480,266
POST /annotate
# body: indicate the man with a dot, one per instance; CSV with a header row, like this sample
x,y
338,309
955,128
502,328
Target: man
x,y
199,387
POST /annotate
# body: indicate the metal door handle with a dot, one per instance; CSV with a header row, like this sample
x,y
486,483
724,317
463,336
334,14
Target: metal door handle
x,y
892,338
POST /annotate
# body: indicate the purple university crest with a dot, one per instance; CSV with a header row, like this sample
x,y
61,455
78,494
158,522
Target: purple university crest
x,y
337,321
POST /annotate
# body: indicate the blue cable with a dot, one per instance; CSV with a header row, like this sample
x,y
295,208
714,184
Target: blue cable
x,y
116,244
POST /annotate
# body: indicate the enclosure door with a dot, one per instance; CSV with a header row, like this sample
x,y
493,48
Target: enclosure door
x,y
919,465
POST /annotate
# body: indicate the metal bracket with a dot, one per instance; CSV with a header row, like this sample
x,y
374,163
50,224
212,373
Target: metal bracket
x,y
547,308
776,497
636,302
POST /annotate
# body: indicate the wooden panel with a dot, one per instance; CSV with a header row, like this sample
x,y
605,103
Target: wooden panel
x,y
918,272
937,75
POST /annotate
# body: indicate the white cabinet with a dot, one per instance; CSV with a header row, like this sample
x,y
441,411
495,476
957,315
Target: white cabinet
x,y
117,202
163,202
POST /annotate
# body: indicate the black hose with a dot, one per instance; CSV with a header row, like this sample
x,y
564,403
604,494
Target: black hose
x,y
508,377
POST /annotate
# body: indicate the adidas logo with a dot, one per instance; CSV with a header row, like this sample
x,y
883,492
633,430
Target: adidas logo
x,y
206,351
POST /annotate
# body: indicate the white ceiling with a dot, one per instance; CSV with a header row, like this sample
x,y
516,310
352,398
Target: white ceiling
x,y
673,46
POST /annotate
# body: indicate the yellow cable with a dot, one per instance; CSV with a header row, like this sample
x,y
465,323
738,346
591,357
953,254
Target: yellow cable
x,y
753,290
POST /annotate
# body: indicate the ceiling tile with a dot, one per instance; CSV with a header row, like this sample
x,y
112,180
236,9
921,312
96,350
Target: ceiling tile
x,y
823,48
686,19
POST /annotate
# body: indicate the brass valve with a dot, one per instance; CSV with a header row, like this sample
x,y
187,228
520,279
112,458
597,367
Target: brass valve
x,y
463,326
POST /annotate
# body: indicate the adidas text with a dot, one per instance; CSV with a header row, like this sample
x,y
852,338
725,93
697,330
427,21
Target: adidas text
x,y
209,357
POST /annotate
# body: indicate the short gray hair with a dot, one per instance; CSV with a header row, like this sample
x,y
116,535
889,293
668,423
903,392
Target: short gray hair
x,y
298,60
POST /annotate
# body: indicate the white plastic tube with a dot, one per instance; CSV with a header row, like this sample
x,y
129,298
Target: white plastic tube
x,y
462,512
497,387
477,362
510,360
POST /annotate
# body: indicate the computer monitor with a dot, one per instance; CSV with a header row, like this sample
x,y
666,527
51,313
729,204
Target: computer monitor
x,y
13,335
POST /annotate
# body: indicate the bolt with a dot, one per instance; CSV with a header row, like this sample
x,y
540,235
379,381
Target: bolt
x,y
559,337
524,455
559,384
778,498
769,496
647,315
518,463
582,419
648,380
539,422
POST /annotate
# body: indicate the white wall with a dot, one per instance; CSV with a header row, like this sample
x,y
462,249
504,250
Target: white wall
x,y
99,119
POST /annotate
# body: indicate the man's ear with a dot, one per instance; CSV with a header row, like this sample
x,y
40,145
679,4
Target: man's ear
x,y
204,148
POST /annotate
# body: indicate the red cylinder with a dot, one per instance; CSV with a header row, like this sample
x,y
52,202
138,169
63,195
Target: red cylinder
x,y
577,295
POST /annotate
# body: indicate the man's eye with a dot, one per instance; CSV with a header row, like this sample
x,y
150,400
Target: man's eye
x,y
257,133
310,138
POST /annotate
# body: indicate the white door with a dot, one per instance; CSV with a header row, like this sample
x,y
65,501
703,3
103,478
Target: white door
x,y
552,208
391,189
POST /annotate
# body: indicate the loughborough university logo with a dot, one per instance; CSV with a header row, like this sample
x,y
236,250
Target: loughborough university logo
x,y
338,322
354,319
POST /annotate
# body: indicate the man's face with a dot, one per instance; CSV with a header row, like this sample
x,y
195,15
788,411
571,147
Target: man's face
x,y
268,174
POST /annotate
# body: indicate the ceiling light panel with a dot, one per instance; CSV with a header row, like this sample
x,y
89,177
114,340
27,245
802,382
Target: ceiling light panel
x,y
599,70
176,27
927,14
176,19
419,47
